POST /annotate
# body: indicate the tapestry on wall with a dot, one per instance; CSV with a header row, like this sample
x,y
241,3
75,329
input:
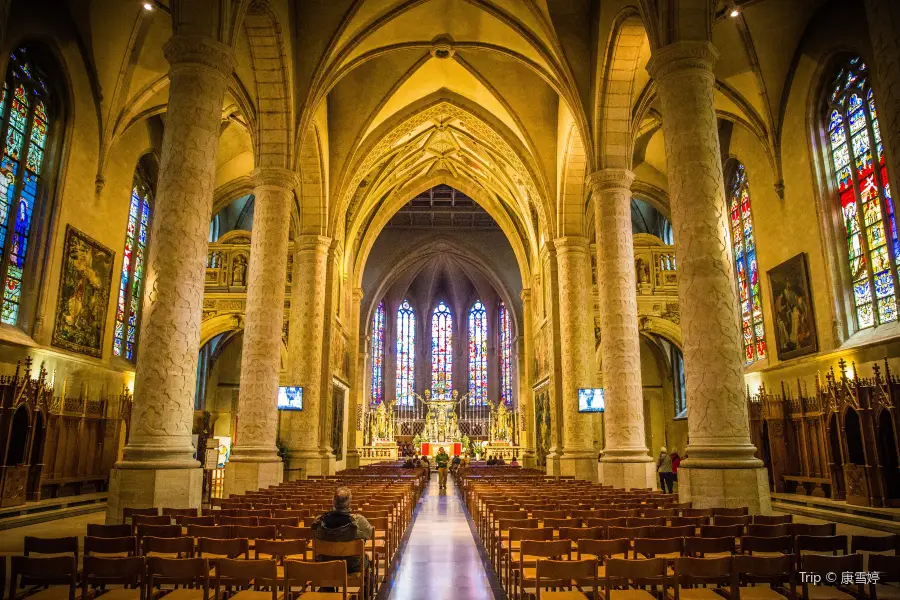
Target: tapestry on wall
x,y
795,326
84,285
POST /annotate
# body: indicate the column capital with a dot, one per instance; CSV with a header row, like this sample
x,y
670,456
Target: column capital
x,y
357,294
319,243
611,179
682,56
525,295
571,243
184,49
274,177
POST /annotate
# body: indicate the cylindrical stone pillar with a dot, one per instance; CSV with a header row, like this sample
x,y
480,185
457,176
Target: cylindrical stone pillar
x,y
625,463
304,438
720,469
526,395
884,23
158,467
255,463
578,457
359,378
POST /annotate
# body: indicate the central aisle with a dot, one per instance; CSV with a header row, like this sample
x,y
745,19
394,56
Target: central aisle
x,y
440,560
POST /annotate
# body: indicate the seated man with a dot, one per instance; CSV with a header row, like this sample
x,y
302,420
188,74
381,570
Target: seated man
x,y
341,525
455,463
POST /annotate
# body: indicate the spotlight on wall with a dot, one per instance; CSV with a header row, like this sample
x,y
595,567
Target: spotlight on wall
x,y
148,6
734,12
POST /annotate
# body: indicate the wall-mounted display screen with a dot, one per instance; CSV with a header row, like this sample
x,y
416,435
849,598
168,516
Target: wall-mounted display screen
x,y
290,397
590,400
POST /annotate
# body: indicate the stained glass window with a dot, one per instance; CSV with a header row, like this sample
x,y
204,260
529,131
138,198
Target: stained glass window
x,y
478,377
406,354
441,352
25,124
861,179
746,267
506,393
378,355
134,264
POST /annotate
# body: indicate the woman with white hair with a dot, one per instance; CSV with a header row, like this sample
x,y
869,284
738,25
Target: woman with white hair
x,y
664,468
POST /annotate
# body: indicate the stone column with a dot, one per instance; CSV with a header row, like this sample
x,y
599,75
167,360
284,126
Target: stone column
x,y
884,22
359,378
526,395
720,469
625,462
255,462
305,439
158,467
578,457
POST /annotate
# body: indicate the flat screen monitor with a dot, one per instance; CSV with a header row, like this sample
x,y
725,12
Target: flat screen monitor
x,y
290,397
590,400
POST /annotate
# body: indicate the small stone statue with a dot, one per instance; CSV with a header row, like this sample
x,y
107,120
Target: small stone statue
x,y
239,272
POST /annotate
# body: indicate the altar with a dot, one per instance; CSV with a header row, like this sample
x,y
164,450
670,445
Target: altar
x,y
430,449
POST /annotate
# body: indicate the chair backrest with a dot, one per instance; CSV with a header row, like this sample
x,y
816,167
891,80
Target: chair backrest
x,y
242,521
110,546
813,529
99,530
506,524
706,513
660,512
627,532
887,567
645,521
549,514
183,547
700,546
102,571
606,522
645,572
189,572
580,533
295,533
758,530
689,521
730,512
824,564
60,545
772,519
340,549
281,549
560,573
820,543
298,513
751,544
28,571
875,543
612,513
304,574
244,573
187,521
224,548
138,520
545,548
180,512
691,571
160,531
670,531
209,531
721,530
742,520
764,569
277,522
258,532
650,547
603,549
129,513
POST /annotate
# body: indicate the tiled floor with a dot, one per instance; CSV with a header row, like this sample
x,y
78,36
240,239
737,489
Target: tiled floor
x,y
441,560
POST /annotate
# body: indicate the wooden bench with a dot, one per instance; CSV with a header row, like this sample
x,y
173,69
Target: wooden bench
x,y
809,486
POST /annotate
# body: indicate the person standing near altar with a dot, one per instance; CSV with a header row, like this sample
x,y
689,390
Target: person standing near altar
x,y
442,459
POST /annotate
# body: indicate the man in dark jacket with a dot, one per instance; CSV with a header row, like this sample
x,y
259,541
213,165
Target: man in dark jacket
x,y
341,525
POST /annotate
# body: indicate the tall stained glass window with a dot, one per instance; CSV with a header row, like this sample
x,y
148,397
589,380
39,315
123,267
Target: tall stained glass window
x,y
867,208
406,354
745,266
478,332
24,125
134,263
378,355
506,393
441,352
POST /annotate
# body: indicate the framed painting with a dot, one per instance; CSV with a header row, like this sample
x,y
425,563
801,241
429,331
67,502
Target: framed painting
x,y
795,324
84,285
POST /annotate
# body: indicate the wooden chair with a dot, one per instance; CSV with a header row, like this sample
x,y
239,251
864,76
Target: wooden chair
x,y
277,522
639,574
670,548
715,531
765,577
695,522
875,543
168,547
254,532
242,579
823,564
129,513
381,545
700,547
220,532
556,524
739,511
109,547
669,531
299,533
239,521
888,569
98,530
757,530
694,576
311,575
101,572
327,551
213,548
706,513
602,550
29,572
742,520
573,534
180,512
629,533
281,551
834,544
566,574
513,566
773,519
813,529
297,513
767,546
606,522
187,521
138,520
645,522
51,546
191,575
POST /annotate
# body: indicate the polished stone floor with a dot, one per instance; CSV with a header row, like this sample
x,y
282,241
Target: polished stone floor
x,y
441,560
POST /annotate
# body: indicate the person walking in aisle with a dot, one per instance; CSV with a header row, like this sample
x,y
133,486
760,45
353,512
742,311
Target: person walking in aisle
x,y
442,459
664,468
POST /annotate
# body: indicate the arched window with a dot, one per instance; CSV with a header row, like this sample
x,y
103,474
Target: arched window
x,y
441,352
478,377
506,393
406,354
378,355
24,127
861,179
134,260
746,269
